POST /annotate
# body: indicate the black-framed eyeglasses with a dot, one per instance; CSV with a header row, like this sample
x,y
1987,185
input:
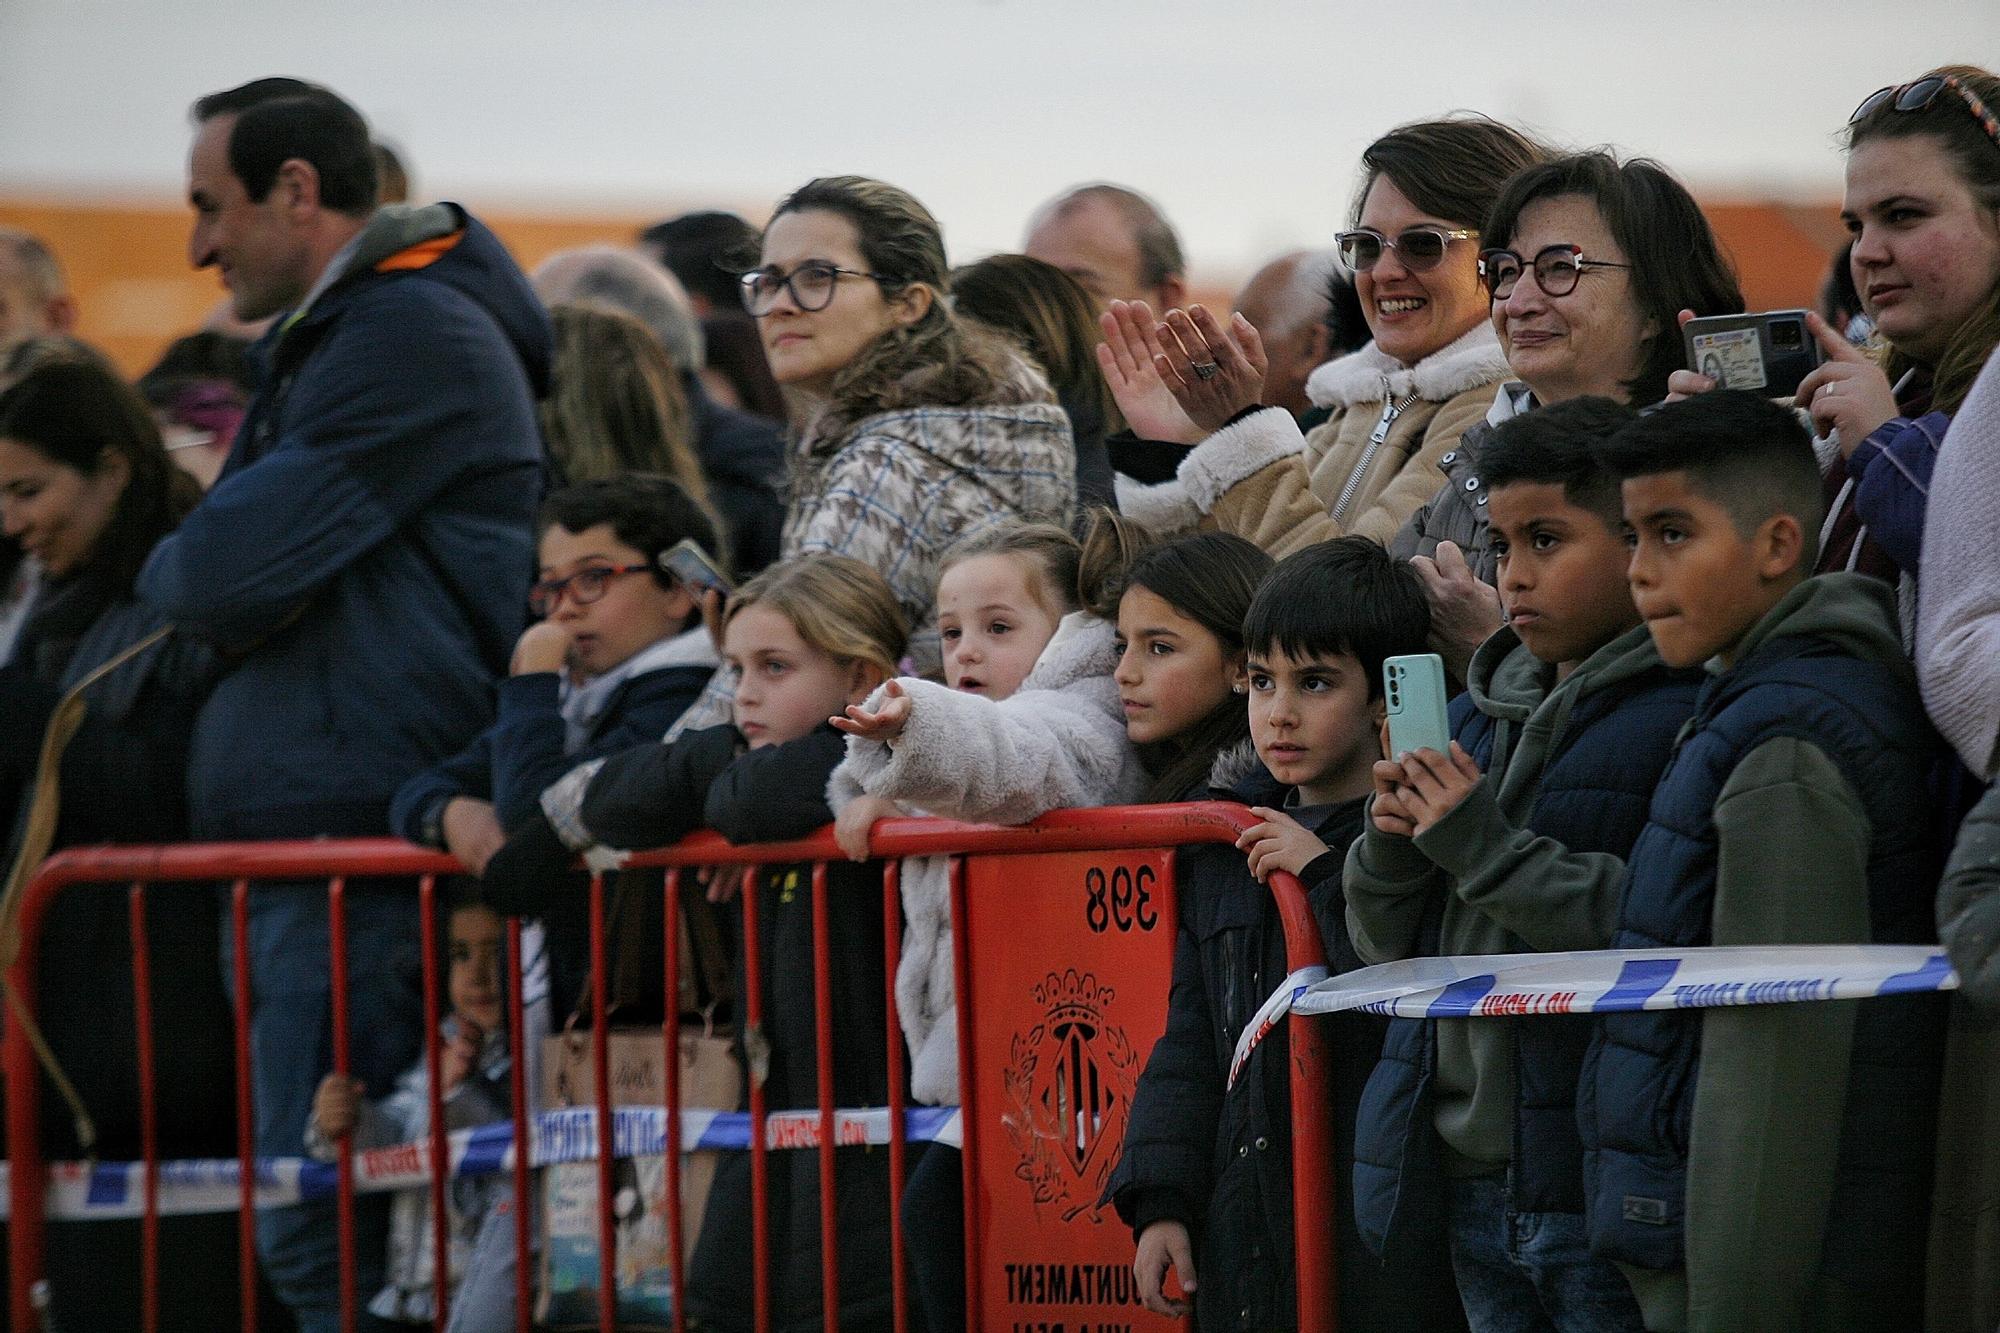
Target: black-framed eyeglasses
x,y
811,284
1420,248
1921,93
584,587
1558,268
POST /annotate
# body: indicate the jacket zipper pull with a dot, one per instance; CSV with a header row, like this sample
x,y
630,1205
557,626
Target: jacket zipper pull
x,y
1391,409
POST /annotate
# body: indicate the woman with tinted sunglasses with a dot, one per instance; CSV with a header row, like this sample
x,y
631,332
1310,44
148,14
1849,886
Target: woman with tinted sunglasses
x,y
1587,263
1398,405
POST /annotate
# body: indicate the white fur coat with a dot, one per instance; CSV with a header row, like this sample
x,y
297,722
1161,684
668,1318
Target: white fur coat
x,y
1056,743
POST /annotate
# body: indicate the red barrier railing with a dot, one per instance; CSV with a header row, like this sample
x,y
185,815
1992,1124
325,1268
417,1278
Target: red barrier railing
x,y
336,863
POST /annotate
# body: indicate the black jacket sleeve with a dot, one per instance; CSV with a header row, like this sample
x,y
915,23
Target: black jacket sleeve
x,y
652,795
777,793
1166,1168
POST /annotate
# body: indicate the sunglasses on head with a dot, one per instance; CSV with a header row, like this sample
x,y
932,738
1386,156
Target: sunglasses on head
x,y
1920,94
1420,248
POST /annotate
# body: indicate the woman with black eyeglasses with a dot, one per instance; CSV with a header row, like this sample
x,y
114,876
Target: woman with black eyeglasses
x,y
1588,262
913,428
1398,405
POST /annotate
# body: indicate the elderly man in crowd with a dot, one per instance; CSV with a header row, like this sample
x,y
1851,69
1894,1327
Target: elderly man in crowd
x,y
1114,241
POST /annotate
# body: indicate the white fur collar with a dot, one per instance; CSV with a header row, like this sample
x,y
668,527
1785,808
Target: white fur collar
x,y
1233,765
1370,375
1083,645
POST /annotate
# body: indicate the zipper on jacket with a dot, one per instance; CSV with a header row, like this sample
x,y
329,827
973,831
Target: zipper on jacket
x,y
1391,409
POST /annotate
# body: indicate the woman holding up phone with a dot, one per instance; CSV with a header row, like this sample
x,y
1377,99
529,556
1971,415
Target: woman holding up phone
x,y
1923,207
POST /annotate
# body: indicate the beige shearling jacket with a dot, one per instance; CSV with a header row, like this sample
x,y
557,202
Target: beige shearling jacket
x,y
1371,465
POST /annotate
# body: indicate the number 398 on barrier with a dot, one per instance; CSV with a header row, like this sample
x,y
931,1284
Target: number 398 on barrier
x,y
1126,897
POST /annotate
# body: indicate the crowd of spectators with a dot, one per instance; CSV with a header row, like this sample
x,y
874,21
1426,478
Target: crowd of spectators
x,y
762,530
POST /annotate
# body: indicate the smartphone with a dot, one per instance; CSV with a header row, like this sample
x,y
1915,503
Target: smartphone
x,y
1770,351
694,567
1413,685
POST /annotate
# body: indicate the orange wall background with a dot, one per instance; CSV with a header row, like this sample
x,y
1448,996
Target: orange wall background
x,y
127,263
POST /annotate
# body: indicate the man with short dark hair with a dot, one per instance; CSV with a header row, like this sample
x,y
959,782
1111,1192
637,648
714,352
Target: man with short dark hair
x,y
363,559
1113,240
34,298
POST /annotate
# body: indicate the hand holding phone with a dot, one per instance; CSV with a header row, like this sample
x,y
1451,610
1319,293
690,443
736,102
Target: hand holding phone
x,y
1767,351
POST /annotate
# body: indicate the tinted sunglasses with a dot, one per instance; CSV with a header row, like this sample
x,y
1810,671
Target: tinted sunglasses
x,y
1420,248
1920,94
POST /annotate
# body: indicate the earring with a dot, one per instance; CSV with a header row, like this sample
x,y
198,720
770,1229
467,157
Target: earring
x,y
1239,689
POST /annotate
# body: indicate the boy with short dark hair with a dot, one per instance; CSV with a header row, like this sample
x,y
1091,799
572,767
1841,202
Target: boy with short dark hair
x,y
1205,1177
1767,1166
1514,842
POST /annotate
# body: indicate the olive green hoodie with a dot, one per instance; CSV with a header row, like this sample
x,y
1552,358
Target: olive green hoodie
x,y
1507,890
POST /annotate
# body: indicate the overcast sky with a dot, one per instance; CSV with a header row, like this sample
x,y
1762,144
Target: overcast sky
x,y
1244,117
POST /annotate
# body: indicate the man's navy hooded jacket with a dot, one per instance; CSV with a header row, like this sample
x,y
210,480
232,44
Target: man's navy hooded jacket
x,y
363,561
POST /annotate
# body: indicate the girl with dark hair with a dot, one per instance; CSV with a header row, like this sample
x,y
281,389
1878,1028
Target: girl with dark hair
x,y
914,428
1179,608
1588,266
87,489
1054,320
1397,406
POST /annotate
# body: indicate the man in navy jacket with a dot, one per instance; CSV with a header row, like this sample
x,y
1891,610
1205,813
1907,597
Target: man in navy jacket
x,y
363,564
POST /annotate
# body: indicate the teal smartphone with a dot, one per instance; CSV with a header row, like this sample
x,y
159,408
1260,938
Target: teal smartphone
x,y
1413,686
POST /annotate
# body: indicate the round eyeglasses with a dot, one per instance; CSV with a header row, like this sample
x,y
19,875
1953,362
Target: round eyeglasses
x,y
1557,268
584,587
811,284
1420,248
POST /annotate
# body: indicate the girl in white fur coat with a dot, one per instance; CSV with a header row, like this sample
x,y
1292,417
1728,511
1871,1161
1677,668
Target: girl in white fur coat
x,y
1028,721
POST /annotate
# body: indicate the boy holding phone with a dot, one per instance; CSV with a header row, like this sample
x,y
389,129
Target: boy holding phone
x,y
1514,842
1205,1177
1768,1166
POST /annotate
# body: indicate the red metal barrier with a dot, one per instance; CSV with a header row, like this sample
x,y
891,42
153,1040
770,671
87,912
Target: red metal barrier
x,y
335,863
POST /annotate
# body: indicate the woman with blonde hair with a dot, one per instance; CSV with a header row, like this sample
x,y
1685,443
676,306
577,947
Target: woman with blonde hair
x,y
615,403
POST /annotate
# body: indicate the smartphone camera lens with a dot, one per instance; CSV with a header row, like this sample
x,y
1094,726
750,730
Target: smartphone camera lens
x,y
1788,335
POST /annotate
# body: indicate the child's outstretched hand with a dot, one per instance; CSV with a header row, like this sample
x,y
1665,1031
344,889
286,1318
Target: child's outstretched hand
x,y
1433,784
1279,843
337,1106
882,724
1161,1244
856,819
1387,811
459,1055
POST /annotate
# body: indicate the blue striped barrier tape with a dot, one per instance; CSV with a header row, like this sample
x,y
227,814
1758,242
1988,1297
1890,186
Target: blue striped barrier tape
x,y
104,1190
1609,981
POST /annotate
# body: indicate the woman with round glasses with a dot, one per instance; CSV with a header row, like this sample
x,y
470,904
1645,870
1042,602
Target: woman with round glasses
x,y
1398,405
1589,262
913,428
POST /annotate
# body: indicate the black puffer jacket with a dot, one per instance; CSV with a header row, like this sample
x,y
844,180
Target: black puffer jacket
x,y
1221,1164
769,795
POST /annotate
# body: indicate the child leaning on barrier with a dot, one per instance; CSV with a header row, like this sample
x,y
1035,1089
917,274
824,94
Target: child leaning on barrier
x,y
1769,1165
618,654
801,641
1026,721
1205,1177
1514,843
473,1073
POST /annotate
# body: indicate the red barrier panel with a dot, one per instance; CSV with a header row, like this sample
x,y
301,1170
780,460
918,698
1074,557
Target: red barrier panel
x,y
1016,905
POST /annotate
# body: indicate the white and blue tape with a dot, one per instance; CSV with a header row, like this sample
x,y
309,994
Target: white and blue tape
x,y
105,1190
1610,981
